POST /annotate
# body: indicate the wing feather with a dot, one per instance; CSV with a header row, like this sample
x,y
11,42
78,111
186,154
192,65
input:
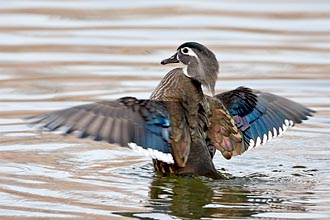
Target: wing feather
x,y
261,116
146,123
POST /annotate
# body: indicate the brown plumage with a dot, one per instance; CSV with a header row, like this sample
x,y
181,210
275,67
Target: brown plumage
x,y
179,126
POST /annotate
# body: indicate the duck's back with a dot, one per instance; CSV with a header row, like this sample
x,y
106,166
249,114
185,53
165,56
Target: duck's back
x,y
189,114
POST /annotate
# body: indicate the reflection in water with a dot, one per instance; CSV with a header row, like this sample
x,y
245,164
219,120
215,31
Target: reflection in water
x,y
198,197
168,193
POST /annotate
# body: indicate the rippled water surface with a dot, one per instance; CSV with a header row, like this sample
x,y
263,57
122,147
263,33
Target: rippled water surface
x,y
56,54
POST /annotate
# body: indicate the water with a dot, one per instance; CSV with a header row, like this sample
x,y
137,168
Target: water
x,y
57,54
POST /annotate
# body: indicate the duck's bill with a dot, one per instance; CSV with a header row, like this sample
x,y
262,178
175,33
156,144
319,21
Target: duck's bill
x,y
172,59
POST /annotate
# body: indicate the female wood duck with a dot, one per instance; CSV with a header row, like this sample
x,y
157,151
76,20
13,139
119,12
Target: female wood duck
x,y
179,127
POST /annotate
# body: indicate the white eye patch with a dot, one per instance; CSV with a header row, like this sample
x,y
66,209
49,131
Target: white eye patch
x,y
188,51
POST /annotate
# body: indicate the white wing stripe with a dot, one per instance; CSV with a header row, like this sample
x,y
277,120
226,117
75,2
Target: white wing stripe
x,y
154,154
267,137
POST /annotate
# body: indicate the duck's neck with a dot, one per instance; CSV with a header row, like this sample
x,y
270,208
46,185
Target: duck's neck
x,y
175,86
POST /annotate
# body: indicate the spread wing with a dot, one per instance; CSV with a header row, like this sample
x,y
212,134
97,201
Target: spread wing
x,y
261,116
141,124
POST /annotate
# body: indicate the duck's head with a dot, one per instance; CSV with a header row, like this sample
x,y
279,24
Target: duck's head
x,y
200,63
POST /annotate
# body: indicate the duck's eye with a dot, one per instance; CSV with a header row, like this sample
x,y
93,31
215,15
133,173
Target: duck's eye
x,y
185,50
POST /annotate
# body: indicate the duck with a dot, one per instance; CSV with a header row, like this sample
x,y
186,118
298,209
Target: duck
x,y
180,127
